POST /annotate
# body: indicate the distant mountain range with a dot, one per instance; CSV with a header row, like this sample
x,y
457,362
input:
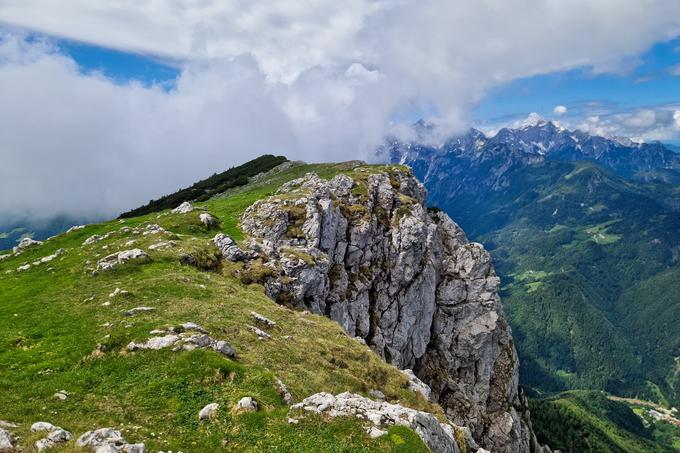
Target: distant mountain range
x,y
585,231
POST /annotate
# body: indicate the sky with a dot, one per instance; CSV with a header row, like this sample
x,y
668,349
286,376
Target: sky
x,y
105,105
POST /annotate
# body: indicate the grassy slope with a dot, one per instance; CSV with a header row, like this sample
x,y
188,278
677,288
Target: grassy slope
x,y
51,320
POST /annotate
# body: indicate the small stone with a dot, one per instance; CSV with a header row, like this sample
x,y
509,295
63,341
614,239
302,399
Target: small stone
x,y
224,348
293,421
260,333
285,394
134,311
193,326
119,292
6,440
377,394
262,320
209,411
417,385
207,219
374,432
246,404
61,395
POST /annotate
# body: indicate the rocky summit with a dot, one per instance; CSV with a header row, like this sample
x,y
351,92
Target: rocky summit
x,y
366,252
331,285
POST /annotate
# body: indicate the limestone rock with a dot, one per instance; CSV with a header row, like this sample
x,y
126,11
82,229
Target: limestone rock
x,y
193,326
246,404
155,343
108,440
75,228
285,394
119,292
230,250
56,436
417,385
224,348
209,411
118,258
24,244
208,220
262,320
439,437
183,208
134,311
368,254
42,426
6,440
377,395
61,395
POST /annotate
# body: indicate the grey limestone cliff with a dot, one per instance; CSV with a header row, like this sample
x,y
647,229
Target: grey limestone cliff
x,y
362,249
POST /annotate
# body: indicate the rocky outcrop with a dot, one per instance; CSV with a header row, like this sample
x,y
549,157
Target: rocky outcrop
x,y
438,436
365,251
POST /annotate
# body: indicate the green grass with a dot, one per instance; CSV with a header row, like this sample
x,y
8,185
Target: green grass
x,y
52,319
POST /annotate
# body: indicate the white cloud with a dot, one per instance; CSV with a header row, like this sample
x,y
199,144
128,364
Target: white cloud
x,y
559,110
675,70
314,81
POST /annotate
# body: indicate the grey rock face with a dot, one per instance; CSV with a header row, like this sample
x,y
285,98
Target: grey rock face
x,y
439,437
369,255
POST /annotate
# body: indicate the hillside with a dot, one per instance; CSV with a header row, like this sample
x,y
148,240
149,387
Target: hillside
x,y
589,421
83,329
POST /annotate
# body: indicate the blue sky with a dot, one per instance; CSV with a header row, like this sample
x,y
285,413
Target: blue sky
x,y
648,83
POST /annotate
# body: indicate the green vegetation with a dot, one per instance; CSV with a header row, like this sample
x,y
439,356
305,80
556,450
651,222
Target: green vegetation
x,y
58,333
590,271
589,421
204,189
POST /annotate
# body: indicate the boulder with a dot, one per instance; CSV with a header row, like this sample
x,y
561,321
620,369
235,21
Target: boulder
x,y
183,208
24,244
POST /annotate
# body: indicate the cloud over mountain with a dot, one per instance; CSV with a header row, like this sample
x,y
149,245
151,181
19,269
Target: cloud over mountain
x,y
319,81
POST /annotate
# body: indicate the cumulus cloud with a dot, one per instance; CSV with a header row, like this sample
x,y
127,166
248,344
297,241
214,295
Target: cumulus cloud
x,y
559,110
318,82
